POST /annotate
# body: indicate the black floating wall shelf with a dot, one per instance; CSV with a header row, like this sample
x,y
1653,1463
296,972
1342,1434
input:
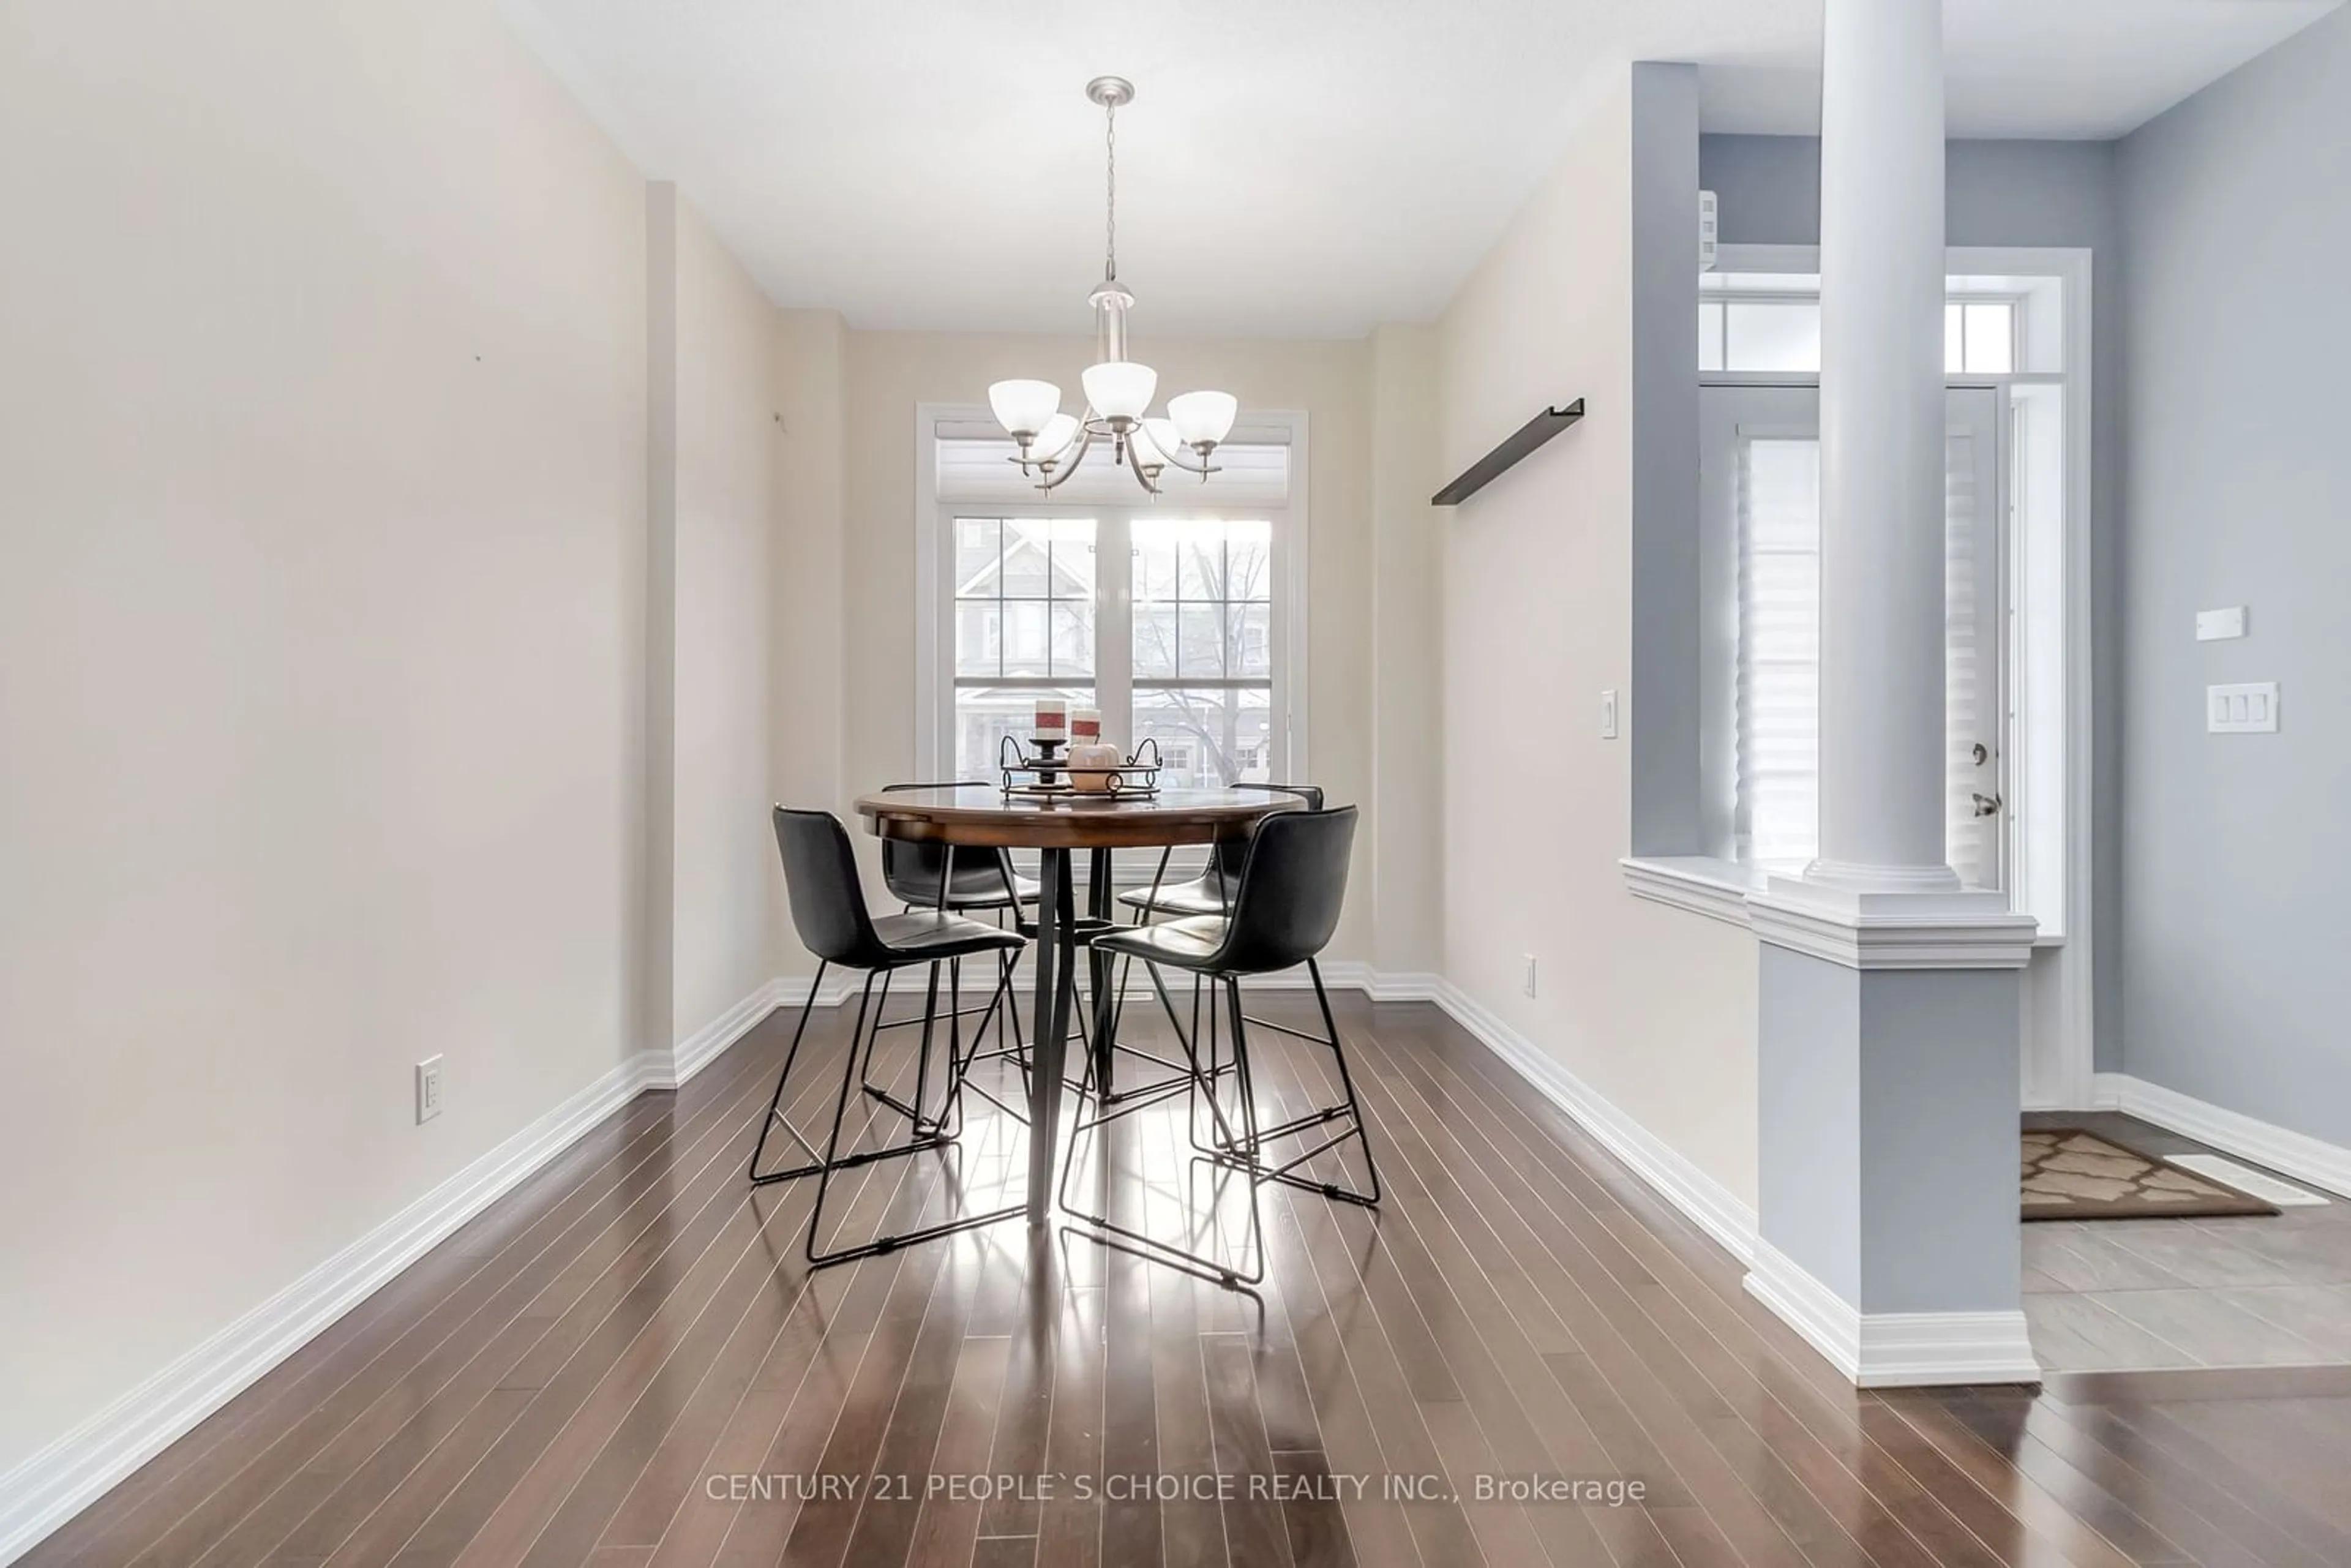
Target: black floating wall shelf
x,y
1488,468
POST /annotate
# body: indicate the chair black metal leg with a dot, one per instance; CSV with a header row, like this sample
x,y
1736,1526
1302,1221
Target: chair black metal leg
x,y
1020,1046
1223,1138
850,1075
918,1112
835,1161
1347,1088
953,1104
1349,1109
1248,1122
857,1066
1106,1111
1156,1089
881,1006
1175,1020
775,1105
1001,1002
1012,1017
1081,1126
922,1058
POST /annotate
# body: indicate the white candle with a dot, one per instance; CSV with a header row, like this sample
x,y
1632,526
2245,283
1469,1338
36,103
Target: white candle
x,y
1085,726
1052,718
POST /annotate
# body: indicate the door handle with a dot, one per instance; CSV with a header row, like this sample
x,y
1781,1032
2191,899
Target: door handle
x,y
1982,753
1986,805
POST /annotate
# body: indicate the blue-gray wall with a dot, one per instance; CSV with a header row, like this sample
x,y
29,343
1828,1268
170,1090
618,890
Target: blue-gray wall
x,y
1664,670
2005,193
2236,967
1885,1152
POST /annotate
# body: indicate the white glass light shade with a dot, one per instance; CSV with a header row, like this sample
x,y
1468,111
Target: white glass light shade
x,y
1160,440
1053,441
1201,417
1023,407
1120,389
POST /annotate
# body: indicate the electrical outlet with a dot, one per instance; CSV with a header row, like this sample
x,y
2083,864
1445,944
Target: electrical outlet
x,y
1608,715
1530,982
428,1089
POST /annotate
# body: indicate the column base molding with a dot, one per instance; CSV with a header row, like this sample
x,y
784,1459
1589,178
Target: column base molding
x,y
1892,1350
1878,930
1896,879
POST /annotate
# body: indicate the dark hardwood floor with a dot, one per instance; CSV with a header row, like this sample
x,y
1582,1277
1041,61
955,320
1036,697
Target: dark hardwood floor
x,y
623,1363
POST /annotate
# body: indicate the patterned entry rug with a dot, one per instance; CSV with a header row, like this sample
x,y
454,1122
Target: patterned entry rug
x,y
2069,1174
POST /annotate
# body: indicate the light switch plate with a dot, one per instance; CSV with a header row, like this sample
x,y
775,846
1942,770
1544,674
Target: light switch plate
x,y
2220,625
1608,715
428,1089
2248,709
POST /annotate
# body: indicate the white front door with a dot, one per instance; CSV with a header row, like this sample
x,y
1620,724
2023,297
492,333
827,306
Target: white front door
x,y
1760,487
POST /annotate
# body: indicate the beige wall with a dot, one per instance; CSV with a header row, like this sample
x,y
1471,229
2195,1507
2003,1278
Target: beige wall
x,y
323,654
1652,1006
888,373
723,855
808,353
1408,682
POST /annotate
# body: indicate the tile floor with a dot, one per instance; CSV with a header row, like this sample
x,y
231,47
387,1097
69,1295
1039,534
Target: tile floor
x,y
2151,1294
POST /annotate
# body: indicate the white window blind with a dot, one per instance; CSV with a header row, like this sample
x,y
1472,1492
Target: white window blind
x,y
1779,680
1777,686
1968,839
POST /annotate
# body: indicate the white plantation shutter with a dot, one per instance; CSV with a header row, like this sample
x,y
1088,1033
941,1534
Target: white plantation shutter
x,y
1968,841
1779,678
1777,694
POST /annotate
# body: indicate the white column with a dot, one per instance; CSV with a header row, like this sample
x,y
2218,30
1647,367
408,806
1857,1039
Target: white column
x,y
1882,424
1885,1150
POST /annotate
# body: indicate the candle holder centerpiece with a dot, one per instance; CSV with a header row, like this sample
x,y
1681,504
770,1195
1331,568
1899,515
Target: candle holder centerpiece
x,y
1043,773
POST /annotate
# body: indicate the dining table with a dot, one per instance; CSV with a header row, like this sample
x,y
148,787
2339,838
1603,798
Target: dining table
x,y
1058,826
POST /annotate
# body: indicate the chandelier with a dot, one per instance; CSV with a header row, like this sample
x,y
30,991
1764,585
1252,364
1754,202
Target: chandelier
x,y
1118,390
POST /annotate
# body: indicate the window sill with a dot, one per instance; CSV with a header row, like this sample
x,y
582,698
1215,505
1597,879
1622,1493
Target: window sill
x,y
1702,884
1718,889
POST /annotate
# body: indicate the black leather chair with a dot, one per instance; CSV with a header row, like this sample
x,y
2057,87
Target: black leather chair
x,y
975,879
963,881
1210,892
1286,904
827,905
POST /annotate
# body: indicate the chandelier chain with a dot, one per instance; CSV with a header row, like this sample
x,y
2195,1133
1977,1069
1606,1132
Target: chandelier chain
x,y
1110,146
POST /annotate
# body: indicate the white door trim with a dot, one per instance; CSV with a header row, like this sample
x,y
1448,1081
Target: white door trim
x,y
2059,1074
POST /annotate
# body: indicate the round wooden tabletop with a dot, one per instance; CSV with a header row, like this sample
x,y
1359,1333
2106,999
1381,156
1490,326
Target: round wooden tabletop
x,y
984,816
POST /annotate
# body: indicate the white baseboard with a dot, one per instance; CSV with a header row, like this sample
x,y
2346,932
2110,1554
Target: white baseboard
x,y
1401,986
2288,1153
1710,1205
698,1050
1892,1350
52,1485
1352,974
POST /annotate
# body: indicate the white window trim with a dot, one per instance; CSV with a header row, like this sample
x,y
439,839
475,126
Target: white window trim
x,y
935,696
1717,888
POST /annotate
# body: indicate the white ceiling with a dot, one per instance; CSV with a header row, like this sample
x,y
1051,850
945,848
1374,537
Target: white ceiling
x,y
1290,167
